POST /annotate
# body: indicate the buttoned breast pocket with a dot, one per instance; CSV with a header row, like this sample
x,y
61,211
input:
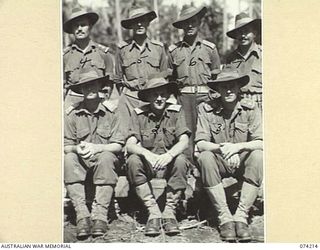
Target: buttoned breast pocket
x,y
147,138
98,64
256,74
181,67
104,134
82,134
130,68
204,65
152,65
240,132
169,136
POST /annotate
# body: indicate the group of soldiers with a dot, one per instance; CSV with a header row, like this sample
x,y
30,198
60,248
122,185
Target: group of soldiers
x,y
177,108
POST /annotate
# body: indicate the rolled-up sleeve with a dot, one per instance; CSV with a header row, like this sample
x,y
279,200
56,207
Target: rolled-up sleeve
x,y
181,125
203,128
255,125
70,137
116,133
134,129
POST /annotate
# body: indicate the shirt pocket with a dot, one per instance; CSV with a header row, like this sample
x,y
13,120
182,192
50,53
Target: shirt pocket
x,y
98,64
241,132
180,64
82,134
215,129
130,68
104,134
147,138
256,74
169,136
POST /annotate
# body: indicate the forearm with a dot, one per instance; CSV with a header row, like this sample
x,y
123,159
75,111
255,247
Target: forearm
x,y
137,149
70,149
208,146
179,147
112,147
251,145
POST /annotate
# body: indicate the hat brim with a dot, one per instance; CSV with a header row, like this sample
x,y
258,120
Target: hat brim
x,y
242,81
145,93
200,12
103,80
127,23
92,16
255,23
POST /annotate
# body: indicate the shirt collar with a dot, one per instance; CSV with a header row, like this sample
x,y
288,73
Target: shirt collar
x,y
82,109
145,46
91,44
254,50
197,41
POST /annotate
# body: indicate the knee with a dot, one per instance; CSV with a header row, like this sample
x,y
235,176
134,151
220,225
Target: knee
x,y
133,162
256,156
180,162
206,160
107,158
70,159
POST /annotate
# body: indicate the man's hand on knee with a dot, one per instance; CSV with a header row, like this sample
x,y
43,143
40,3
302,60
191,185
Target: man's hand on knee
x,y
234,161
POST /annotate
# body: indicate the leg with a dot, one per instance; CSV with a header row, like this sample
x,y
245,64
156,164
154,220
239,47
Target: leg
x,y
252,180
139,176
211,165
74,175
177,183
104,179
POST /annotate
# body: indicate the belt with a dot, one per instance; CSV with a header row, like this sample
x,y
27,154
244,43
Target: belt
x,y
129,92
195,89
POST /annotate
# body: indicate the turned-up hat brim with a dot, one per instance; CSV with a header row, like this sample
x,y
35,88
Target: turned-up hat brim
x,y
186,15
227,76
154,84
127,23
92,16
256,23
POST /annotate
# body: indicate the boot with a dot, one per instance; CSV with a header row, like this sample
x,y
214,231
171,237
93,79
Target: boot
x,y
154,220
77,195
100,206
169,219
248,196
218,198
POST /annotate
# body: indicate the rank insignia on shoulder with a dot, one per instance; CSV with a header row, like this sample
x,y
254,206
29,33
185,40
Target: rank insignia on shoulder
x,y
140,110
157,42
247,103
209,44
174,107
66,50
122,44
111,105
105,49
172,47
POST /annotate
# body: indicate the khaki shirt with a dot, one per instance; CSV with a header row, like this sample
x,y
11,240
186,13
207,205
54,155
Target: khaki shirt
x,y
194,65
135,64
100,127
96,56
244,125
251,65
156,135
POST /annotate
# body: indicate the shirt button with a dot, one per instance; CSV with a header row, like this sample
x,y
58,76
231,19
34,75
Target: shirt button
x,y
139,61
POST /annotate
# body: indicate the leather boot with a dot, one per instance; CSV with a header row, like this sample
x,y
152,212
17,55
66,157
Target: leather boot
x,y
169,220
76,193
153,225
248,196
219,200
100,206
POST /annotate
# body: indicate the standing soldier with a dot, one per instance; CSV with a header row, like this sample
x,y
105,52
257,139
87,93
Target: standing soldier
x,y
136,59
194,61
156,142
83,53
229,137
247,57
91,141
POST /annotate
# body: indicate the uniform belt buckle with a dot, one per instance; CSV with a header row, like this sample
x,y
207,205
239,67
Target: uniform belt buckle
x,y
196,89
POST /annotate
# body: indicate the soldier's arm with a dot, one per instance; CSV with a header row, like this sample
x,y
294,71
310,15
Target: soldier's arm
x,y
118,77
180,146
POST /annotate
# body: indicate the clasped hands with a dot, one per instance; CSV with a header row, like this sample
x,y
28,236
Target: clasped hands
x,y
87,150
230,153
158,162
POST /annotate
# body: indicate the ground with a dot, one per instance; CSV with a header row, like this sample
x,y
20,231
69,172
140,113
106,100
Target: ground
x,y
197,221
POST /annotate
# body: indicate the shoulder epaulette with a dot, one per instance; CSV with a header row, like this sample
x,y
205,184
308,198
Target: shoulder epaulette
x,y
66,49
172,47
105,49
112,105
174,107
247,103
209,44
141,110
71,108
122,44
157,42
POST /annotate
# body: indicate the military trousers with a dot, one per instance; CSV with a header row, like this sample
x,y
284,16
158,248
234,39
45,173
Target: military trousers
x,y
213,168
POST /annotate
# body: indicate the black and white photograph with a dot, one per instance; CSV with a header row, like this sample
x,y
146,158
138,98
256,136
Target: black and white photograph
x,y
162,121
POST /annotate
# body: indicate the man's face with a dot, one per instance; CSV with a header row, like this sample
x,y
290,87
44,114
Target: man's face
x,y
141,26
158,98
191,26
246,36
229,91
81,28
91,90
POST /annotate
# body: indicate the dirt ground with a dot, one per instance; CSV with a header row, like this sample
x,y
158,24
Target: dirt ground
x,y
196,217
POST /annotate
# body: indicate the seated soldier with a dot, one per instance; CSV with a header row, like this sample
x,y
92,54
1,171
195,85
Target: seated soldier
x,y
157,138
229,137
91,140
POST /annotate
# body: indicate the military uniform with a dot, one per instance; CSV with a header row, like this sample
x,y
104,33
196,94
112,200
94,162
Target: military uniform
x,y
95,55
134,64
193,66
249,65
158,136
100,127
244,125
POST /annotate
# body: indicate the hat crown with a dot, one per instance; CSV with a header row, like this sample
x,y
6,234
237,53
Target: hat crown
x,y
187,10
138,11
242,19
88,75
228,73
